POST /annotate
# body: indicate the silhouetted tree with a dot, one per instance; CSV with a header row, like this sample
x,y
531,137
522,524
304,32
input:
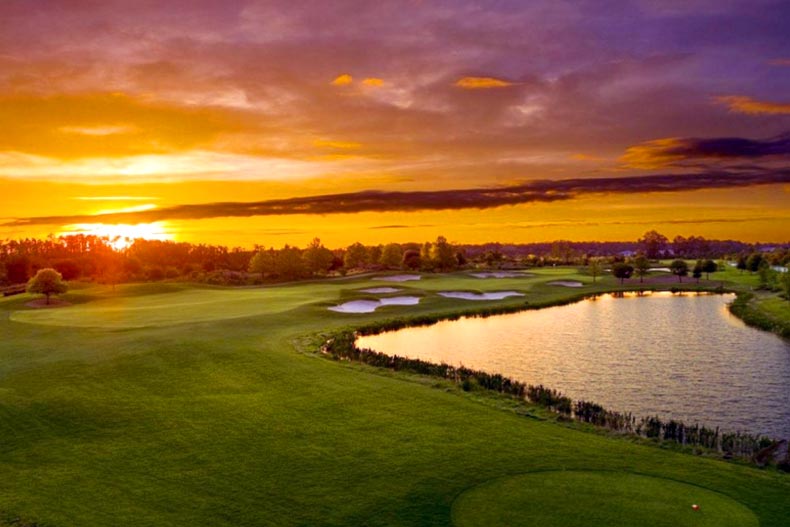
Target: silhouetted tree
x,y
317,258
764,272
356,256
17,269
679,268
595,267
374,253
753,262
653,244
69,269
460,258
288,263
411,259
426,257
641,267
709,266
155,273
47,282
741,264
391,256
493,258
697,271
622,271
262,262
443,255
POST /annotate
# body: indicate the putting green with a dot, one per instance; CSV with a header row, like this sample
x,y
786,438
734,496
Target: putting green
x,y
592,499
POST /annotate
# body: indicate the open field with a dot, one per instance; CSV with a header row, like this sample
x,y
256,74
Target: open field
x,y
172,404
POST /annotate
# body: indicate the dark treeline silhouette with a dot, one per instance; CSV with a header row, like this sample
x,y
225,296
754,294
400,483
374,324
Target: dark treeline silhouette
x,y
93,258
88,257
342,346
654,245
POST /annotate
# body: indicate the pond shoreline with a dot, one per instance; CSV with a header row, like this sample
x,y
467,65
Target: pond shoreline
x,y
745,309
342,346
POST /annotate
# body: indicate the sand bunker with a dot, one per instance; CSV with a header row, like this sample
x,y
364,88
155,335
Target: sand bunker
x,y
567,283
399,278
380,290
496,295
369,306
660,269
498,274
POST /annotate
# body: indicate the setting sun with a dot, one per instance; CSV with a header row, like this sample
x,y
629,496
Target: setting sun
x,y
121,236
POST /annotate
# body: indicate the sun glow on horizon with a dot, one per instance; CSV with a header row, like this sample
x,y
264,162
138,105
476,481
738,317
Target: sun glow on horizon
x,y
122,235
133,208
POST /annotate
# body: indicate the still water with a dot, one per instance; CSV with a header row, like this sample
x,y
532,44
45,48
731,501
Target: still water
x,y
675,356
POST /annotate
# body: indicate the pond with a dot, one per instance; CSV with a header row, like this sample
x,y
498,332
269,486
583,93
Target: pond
x,y
676,356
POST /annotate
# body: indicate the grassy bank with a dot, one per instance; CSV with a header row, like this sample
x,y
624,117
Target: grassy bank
x,y
763,310
170,405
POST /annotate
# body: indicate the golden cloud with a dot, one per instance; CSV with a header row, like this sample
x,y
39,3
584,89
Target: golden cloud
x,y
744,104
587,157
342,80
338,145
374,82
109,125
99,129
481,83
652,154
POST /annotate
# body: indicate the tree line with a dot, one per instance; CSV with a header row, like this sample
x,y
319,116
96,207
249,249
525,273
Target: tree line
x,y
89,257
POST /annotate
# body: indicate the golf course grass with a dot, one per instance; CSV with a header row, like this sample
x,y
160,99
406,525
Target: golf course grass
x,y
591,499
175,404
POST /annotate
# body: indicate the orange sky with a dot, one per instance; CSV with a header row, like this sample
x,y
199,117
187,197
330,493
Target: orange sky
x,y
105,109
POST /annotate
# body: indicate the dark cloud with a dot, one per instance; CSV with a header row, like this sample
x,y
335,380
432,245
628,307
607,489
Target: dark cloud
x,y
478,198
698,152
732,147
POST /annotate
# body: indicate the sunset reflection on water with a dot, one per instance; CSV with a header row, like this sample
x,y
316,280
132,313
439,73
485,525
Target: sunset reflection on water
x,y
678,356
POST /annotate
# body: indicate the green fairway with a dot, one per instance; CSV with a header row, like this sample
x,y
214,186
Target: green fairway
x,y
596,499
172,405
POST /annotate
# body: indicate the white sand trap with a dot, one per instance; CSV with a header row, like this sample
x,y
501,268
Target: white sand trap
x,y
660,269
498,274
380,290
496,295
566,283
400,301
399,278
369,306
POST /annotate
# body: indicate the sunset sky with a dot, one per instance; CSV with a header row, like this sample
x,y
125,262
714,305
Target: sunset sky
x,y
271,122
